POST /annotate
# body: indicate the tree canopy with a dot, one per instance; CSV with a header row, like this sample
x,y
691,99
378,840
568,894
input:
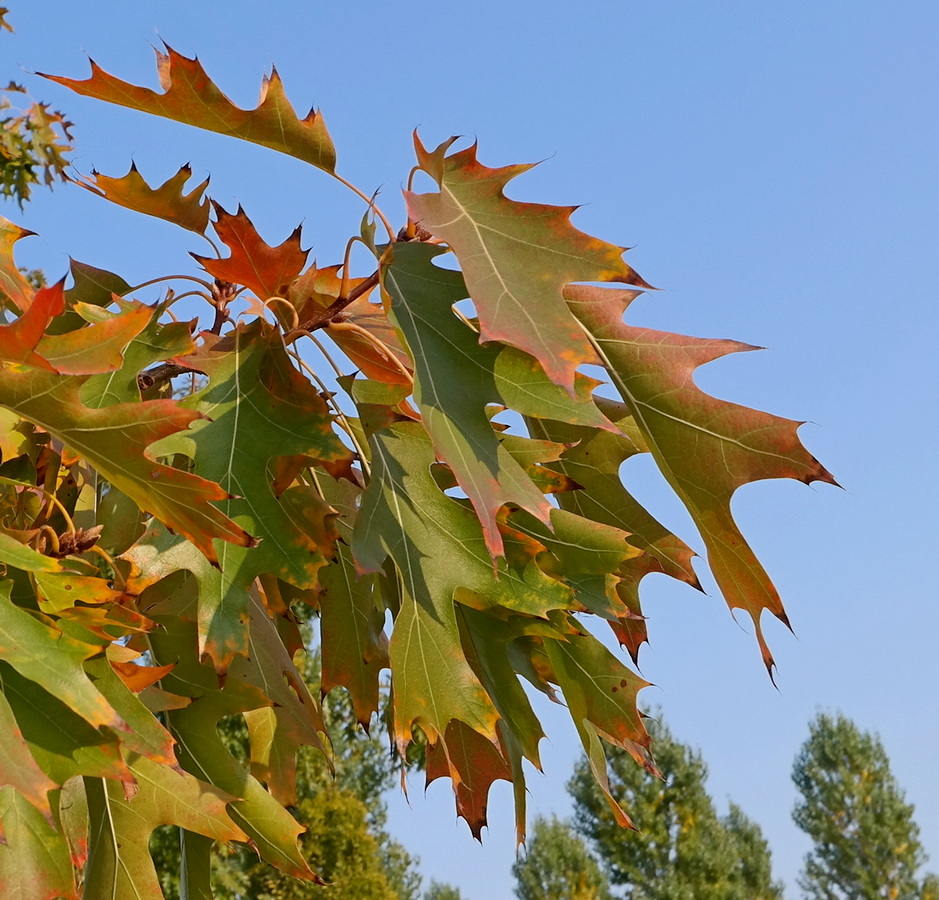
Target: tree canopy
x,y
865,842
685,850
174,492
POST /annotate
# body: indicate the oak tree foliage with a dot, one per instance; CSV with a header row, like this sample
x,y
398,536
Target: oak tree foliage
x,y
170,496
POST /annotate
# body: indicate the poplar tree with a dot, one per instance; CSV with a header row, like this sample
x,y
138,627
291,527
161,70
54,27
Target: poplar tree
x,y
557,865
866,843
683,850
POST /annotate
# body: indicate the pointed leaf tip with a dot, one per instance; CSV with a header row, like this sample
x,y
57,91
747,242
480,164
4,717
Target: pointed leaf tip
x,y
191,97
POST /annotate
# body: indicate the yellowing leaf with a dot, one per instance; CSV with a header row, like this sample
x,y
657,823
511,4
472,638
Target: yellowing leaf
x,y
190,96
12,282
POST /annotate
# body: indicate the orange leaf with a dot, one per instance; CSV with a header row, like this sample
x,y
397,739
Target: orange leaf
x,y
167,201
139,677
18,340
266,270
191,97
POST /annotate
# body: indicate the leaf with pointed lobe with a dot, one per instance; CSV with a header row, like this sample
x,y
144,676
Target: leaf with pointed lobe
x,y
156,342
147,736
592,460
98,347
90,286
455,378
12,283
255,408
473,763
270,827
516,257
189,96
39,651
20,556
265,270
138,677
168,201
60,590
17,766
354,646
114,440
61,742
119,861
439,553
705,447
601,695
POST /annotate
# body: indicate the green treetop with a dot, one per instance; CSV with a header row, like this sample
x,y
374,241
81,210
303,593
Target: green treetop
x,y
865,842
558,866
684,850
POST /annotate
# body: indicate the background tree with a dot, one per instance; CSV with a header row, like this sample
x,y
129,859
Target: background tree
x,y
865,842
558,866
441,891
683,850
34,140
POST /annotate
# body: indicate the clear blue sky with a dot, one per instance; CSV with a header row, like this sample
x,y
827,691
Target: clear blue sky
x,y
774,166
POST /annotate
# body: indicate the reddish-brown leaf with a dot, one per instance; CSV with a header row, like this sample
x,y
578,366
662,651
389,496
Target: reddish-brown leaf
x,y
516,257
473,763
705,447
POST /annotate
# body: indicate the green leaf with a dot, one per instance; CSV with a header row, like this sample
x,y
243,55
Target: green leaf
x,y
41,653
592,460
353,644
62,743
190,96
439,552
119,862
255,408
201,751
601,695
114,441
17,766
455,378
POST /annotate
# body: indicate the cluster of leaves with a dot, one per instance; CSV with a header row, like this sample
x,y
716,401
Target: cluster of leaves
x,y
34,141
155,541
